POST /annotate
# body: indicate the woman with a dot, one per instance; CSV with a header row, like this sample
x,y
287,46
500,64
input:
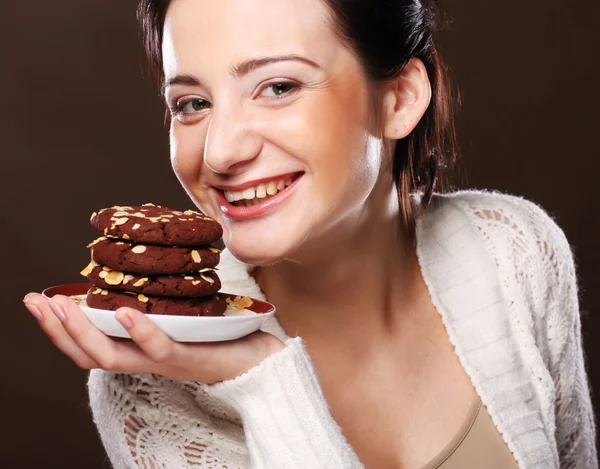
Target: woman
x,y
413,329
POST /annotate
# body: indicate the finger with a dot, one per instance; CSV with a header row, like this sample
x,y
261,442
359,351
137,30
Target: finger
x,y
39,307
148,336
33,307
109,354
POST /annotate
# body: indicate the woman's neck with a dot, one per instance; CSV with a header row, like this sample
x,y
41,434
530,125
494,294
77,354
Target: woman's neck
x,y
350,284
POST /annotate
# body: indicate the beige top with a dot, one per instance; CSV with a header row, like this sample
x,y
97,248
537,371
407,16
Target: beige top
x,y
476,445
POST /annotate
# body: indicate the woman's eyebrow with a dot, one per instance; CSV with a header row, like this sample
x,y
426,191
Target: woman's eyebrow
x,y
249,65
182,80
243,68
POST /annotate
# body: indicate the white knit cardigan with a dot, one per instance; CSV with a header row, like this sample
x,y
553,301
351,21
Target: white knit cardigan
x,y
501,274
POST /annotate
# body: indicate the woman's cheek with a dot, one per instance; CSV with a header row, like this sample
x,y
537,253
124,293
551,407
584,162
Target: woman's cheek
x,y
186,155
175,153
187,166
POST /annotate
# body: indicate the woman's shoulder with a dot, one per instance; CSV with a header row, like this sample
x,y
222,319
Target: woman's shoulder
x,y
533,257
510,222
503,210
512,227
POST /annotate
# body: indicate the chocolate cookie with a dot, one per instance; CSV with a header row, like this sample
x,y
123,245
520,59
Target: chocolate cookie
x,y
192,286
208,306
154,224
150,259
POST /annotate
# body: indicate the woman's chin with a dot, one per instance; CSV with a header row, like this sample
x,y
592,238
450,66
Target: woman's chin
x,y
254,256
257,253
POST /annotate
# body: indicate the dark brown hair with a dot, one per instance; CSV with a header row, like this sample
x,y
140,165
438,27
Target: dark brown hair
x,y
385,35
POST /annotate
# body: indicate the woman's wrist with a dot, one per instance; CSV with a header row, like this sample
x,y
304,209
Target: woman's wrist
x,y
273,345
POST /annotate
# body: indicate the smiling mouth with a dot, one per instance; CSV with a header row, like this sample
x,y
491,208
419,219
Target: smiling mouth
x,y
260,193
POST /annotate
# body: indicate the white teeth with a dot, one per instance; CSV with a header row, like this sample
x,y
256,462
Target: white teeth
x,y
250,197
249,194
272,188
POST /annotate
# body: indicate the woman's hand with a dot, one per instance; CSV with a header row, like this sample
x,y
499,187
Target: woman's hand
x,y
151,351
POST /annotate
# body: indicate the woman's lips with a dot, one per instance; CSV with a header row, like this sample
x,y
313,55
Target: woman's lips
x,y
239,212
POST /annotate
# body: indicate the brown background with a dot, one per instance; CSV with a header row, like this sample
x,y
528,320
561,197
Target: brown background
x,y
82,129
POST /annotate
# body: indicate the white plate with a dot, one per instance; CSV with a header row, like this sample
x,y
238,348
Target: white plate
x,y
233,325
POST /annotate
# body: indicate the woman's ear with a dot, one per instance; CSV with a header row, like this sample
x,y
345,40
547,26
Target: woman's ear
x,y
405,100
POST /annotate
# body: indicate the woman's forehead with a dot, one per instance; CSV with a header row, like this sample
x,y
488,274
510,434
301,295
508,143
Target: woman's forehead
x,y
214,33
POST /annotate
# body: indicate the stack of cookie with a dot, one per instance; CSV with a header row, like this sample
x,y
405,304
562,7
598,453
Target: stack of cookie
x,y
155,260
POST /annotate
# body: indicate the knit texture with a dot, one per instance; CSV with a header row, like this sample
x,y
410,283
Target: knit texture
x,y
500,273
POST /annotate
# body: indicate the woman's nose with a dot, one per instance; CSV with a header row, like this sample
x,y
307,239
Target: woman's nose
x,y
230,142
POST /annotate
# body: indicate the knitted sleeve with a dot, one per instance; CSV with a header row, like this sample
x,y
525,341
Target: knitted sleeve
x,y
286,418
151,422
543,274
575,426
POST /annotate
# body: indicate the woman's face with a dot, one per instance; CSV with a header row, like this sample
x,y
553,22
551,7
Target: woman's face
x,y
270,122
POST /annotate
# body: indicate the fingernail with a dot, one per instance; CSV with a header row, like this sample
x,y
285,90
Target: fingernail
x,y
26,298
60,314
126,321
36,312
